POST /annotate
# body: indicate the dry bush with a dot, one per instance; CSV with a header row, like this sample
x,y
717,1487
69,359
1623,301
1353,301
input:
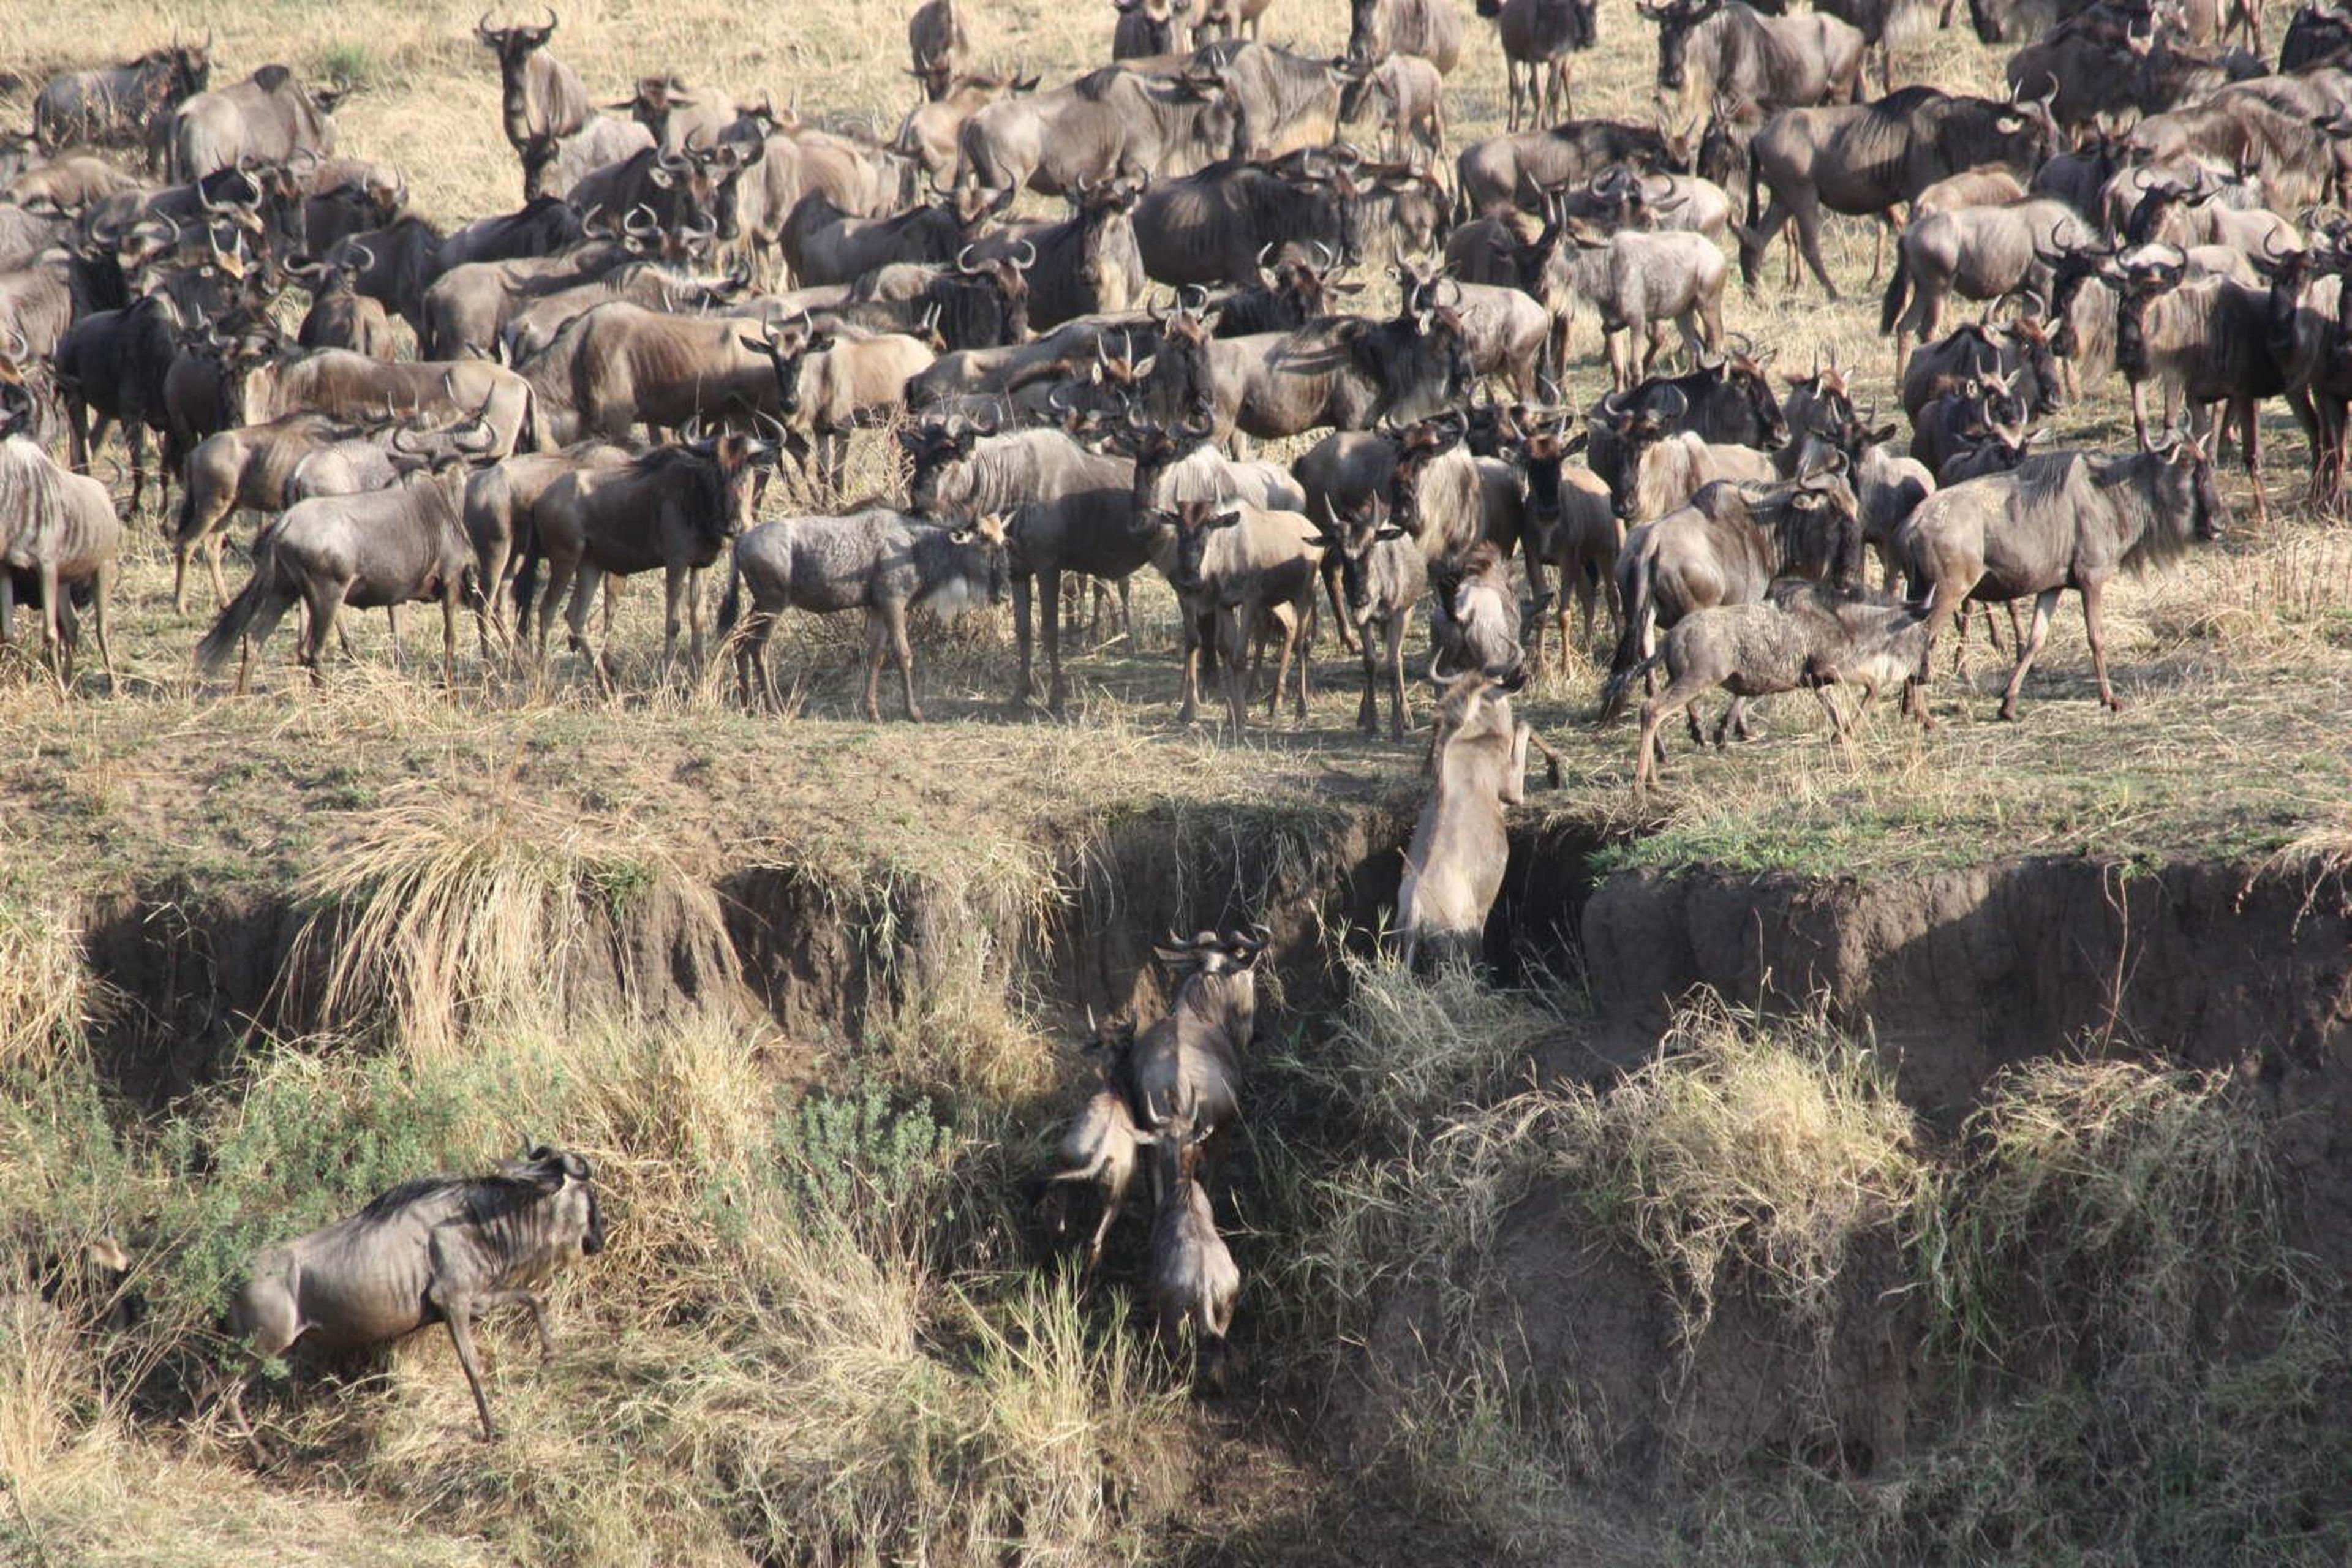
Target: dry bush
x,y
47,996
451,910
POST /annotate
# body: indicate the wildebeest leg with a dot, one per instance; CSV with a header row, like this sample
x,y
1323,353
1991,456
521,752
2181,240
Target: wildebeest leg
x,y
894,615
391,621
101,590
1400,708
673,587
1330,568
530,1301
2094,629
1050,600
1025,682
1837,719
460,1313
448,636
1233,647
1189,624
324,600
1809,239
2243,410
1368,711
2045,604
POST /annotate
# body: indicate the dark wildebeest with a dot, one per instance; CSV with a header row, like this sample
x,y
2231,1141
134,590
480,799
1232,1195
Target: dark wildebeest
x,y
341,317
1344,371
1150,28
940,48
540,97
1112,123
1216,226
1382,575
265,119
2207,343
1430,28
120,107
674,510
2066,521
1087,264
444,1249
1538,37
881,561
1185,1070
1863,159
1502,171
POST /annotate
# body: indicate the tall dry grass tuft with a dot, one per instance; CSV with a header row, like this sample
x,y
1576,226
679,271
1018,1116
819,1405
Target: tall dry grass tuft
x,y
48,995
1751,1150
451,912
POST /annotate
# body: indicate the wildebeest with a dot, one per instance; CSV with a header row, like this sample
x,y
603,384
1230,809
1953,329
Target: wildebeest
x,y
830,383
1977,253
540,97
1186,1068
1216,226
2208,342
1148,27
265,118
1809,639
1638,283
929,133
1454,865
881,561
1382,575
2066,521
1658,465
1071,510
120,107
621,366
1861,159
673,510
112,364
59,540
1430,28
1103,1142
499,499
1519,168
940,47
1710,50
338,380
1725,547
446,1248
1411,96
340,316
1538,37
1570,527
1112,123
1345,372
380,548
1193,1281
1251,574
556,166
678,116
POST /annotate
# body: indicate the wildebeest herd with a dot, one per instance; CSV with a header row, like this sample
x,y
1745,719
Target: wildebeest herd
x,y
703,296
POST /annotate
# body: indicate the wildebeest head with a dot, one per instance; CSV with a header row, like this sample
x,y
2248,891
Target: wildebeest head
x,y
1181,375
1360,526
989,535
1210,952
1636,426
1677,20
1195,522
933,449
786,353
2070,275
1419,363
1740,372
1419,446
720,178
656,98
2149,274
1816,522
565,1187
514,45
1368,29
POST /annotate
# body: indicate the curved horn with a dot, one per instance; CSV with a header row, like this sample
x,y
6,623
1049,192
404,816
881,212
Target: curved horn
x,y
1026,258
963,261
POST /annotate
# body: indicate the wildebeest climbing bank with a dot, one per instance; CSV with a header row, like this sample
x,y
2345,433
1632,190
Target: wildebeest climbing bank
x,y
1306,781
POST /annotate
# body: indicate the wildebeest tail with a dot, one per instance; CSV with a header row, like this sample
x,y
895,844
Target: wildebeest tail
x,y
260,596
731,608
1626,664
1897,287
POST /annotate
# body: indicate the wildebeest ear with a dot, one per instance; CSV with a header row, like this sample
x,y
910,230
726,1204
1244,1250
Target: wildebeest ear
x,y
1883,433
1224,520
539,1151
577,1167
1514,681
1576,443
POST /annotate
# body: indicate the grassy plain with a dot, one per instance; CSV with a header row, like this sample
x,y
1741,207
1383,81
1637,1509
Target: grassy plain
x,y
820,1337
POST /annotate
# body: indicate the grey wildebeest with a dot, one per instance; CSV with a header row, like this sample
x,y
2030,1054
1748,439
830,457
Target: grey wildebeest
x,y
1863,159
1411,96
1250,573
1430,28
1495,174
1639,283
621,366
1711,50
378,549
2208,343
830,383
1070,511
1344,371
445,1249
1103,1144
59,540
499,499
1656,466
265,118
1977,253
120,106
674,510
1454,865
929,133
1807,638
1194,1282
2065,521
1185,1070
540,97
1382,575
243,469
1112,123
1570,526
340,316
881,561
1725,547
338,380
